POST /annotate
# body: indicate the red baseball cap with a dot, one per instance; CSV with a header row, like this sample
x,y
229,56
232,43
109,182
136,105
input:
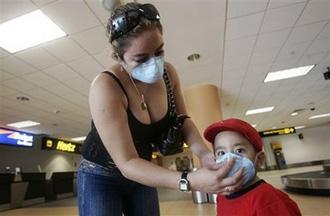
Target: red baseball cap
x,y
237,125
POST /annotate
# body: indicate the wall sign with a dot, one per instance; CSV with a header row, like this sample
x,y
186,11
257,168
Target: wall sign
x,y
60,145
15,138
275,132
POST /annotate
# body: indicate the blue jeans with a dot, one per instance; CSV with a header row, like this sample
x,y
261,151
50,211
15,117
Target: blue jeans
x,y
106,192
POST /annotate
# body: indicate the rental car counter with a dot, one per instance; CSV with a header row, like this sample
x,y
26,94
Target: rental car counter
x,y
19,190
32,188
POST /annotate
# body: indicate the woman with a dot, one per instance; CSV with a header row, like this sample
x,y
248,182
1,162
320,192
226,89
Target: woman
x,y
130,110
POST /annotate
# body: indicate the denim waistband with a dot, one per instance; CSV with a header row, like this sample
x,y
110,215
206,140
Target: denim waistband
x,y
94,168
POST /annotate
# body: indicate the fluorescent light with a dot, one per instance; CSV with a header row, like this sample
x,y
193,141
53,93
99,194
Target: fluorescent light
x,y
299,127
288,73
319,116
259,110
294,113
27,31
77,139
23,124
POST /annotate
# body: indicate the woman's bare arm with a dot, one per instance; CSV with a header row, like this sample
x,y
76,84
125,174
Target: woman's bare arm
x,y
108,108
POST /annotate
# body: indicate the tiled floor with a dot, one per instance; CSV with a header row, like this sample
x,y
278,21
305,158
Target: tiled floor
x,y
181,204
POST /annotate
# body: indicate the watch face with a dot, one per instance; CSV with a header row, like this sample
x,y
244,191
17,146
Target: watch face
x,y
183,185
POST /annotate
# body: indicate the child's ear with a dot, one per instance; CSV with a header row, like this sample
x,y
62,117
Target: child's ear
x,y
260,159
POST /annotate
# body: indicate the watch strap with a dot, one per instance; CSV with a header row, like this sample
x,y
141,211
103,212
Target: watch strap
x,y
183,182
184,175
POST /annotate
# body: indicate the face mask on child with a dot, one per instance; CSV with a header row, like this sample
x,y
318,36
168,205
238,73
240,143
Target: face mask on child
x,y
240,161
150,71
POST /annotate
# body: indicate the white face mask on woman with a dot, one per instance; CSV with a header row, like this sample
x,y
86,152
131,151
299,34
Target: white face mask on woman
x,y
150,71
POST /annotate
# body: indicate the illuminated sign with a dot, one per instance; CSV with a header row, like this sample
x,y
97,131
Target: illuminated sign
x,y
60,145
15,138
281,131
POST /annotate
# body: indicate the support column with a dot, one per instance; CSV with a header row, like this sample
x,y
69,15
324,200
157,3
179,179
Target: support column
x,y
204,107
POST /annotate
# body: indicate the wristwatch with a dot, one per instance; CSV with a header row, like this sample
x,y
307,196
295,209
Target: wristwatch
x,y
183,182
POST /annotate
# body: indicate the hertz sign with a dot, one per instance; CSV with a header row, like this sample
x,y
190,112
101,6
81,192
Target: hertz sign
x,y
60,145
281,131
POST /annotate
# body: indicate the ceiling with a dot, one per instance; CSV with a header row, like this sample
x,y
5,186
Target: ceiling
x,y
239,44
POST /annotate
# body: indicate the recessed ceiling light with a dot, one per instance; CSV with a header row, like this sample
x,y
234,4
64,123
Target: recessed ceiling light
x,y
27,31
77,139
299,127
259,110
193,57
288,73
319,116
56,111
297,111
254,125
23,124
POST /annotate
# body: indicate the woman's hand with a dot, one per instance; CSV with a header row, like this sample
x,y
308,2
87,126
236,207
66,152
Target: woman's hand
x,y
208,161
215,180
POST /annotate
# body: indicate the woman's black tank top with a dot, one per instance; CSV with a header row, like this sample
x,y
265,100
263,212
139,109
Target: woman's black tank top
x,y
144,135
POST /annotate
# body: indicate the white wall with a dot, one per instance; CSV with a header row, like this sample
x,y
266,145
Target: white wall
x,y
315,145
30,158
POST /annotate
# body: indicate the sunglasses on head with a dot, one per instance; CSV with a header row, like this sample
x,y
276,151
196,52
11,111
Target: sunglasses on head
x,y
128,20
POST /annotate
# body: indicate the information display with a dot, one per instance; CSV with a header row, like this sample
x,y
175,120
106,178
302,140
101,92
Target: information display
x,y
281,131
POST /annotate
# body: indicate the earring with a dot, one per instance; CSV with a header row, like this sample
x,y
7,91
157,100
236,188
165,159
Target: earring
x,y
115,56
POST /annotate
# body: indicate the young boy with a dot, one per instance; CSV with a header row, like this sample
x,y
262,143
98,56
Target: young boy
x,y
234,138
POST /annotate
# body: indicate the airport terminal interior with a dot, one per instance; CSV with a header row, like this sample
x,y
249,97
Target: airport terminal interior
x,y
263,61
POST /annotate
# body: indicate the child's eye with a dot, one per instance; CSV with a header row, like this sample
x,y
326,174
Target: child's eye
x,y
239,150
220,153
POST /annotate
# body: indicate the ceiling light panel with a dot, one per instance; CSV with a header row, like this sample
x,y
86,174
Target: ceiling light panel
x,y
77,139
259,110
27,31
288,73
23,124
320,116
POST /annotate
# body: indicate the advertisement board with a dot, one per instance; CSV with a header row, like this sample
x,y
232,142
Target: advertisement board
x,y
60,145
15,138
